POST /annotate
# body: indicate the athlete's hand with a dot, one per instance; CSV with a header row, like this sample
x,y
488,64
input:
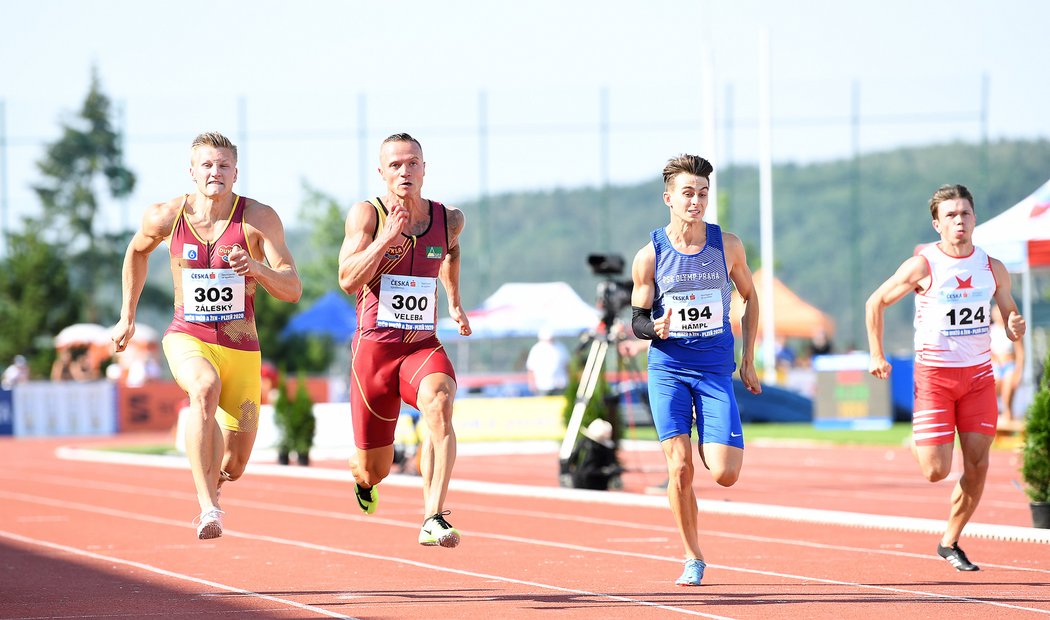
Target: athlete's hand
x,y
122,333
879,367
396,222
459,316
749,376
662,325
1016,325
241,263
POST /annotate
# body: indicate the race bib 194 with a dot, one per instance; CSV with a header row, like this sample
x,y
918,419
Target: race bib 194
x,y
407,302
212,295
695,313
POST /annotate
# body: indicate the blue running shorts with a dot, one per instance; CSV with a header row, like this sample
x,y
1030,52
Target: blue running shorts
x,y
673,395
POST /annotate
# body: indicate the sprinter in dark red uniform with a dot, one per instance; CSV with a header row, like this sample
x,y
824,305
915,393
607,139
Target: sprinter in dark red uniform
x,y
395,251
222,246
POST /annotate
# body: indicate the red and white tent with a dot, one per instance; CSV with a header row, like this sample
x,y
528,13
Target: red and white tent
x,y
1019,236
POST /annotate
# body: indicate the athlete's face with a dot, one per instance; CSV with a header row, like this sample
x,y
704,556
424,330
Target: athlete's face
x,y
955,221
214,171
402,167
687,197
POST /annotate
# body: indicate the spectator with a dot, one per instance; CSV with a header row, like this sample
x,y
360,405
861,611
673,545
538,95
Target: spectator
x,y
547,365
17,372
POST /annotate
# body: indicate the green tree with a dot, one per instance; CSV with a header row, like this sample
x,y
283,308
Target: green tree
x,y
1035,468
36,297
322,217
317,260
88,152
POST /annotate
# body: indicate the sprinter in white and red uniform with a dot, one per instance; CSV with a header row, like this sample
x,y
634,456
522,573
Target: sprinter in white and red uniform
x,y
955,284
395,250
221,248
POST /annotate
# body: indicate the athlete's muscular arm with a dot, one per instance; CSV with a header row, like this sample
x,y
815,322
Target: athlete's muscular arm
x,y
156,224
740,274
263,230
643,274
449,272
1015,323
907,279
360,254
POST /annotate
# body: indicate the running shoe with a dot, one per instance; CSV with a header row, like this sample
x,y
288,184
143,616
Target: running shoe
x,y
693,573
367,499
956,557
209,524
437,531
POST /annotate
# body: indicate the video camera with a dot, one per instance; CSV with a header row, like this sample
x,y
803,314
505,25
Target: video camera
x,y
613,294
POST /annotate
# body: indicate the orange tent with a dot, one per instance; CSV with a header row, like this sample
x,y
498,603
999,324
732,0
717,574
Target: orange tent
x,y
793,317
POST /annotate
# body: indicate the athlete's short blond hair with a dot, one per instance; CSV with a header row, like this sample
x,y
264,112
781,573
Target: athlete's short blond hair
x,y
215,140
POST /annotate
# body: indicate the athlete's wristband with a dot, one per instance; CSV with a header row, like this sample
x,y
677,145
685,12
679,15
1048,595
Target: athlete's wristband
x,y
642,323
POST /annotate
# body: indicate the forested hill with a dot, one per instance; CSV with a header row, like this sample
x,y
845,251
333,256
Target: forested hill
x,y
841,227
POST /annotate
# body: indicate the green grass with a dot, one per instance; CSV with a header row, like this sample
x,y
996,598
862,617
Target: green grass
x,y
894,436
151,449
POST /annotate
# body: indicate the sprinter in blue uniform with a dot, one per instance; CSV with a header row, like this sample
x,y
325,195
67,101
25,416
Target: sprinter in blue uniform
x,y
684,278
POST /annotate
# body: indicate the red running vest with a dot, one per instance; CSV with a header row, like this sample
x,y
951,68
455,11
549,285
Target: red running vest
x,y
419,256
189,251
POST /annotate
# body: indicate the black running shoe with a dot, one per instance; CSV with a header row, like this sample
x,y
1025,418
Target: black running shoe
x,y
956,557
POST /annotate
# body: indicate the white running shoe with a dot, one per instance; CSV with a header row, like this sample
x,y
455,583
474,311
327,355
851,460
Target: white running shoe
x,y
436,531
209,524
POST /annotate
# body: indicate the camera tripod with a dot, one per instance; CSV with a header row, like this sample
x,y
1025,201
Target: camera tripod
x,y
598,348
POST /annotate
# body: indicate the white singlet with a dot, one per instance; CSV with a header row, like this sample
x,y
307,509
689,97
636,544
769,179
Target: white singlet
x,y
953,315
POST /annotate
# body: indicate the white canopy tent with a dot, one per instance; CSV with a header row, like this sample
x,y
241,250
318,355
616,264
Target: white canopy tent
x,y
1020,238
519,309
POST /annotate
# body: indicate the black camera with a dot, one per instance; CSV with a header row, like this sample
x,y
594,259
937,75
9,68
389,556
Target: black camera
x,y
605,264
613,294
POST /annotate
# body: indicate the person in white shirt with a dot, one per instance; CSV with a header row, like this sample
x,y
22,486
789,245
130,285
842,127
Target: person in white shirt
x,y
547,365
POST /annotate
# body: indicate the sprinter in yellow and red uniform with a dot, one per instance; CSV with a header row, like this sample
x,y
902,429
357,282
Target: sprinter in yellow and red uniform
x,y
222,247
395,250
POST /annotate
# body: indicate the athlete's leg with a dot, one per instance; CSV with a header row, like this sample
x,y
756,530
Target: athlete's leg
x,y
678,452
434,401
369,466
204,443
238,414
238,450
725,462
934,461
721,436
967,492
374,406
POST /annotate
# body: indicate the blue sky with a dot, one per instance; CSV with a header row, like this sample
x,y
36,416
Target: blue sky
x,y
285,81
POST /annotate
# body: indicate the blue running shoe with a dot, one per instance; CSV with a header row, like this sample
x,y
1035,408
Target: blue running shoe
x,y
693,574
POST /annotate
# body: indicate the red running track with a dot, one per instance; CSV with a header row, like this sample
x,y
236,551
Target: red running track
x,y
83,539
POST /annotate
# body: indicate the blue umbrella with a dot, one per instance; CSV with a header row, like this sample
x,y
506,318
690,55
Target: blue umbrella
x,y
332,315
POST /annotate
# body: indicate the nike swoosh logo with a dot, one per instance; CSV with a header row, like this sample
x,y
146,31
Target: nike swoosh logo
x,y
735,434
707,263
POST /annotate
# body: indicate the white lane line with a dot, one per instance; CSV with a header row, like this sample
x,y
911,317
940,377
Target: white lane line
x,y
168,573
515,512
506,538
227,533
747,509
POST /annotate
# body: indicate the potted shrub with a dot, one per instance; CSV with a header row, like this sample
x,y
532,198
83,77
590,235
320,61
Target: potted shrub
x,y
295,422
305,423
1035,468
